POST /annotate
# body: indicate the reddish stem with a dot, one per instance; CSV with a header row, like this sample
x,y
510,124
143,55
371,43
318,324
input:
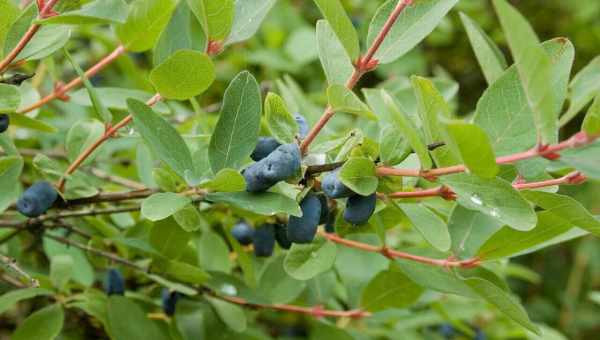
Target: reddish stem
x,y
315,311
61,91
577,140
107,135
390,253
45,12
363,65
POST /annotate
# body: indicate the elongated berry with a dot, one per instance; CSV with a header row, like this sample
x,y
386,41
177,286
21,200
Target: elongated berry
x,y
303,229
255,179
333,187
169,300
37,199
114,283
243,233
264,147
281,236
283,163
4,122
360,208
264,240
302,125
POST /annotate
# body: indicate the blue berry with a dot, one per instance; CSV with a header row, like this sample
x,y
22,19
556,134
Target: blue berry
x,y
169,301
324,209
264,240
303,229
479,334
243,233
279,165
114,283
4,122
302,125
333,187
360,208
37,199
264,147
281,236
330,223
255,179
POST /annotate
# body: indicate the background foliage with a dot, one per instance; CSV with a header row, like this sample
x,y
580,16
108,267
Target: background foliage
x,y
558,286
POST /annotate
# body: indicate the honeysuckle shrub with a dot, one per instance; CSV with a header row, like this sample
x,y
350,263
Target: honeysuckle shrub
x,y
256,169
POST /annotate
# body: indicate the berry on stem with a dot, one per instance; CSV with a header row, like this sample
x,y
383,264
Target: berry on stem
x,y
281,236
303,229
264,240
264,147
281,164
243,233
360,208
37,199
169,301
114,284
333,187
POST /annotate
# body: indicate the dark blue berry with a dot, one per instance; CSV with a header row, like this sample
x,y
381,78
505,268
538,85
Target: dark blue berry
x,y
279,165
37,199
324,208
264,240
447,331
479,334
360,208
281,236
333,187
302,125
243,233
114,283
303,229
330,224
169,301
4,122
264,147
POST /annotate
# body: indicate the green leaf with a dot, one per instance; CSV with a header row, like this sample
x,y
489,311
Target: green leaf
x,y
466,232
232,315
337,65
168,238
504,114
393,146
582,89
277,285
236,133
10,98
45,42
115,98
433,229
10,12
95,12
390,289
341,99
226,180
489,56
473,146
17,27
535,69
43,324
162,205
494,197
264,203
566,208
83,272
11,298
503,301
181,271
61,270
414,23
184,75
591,123
215,16
161,137
432,108
10,170
100,110
585,159
305,261
189,218
183,32
19,119
334,13
80,136
280,121
508,242
122,314
358,174
407,127
249,14
146,21
213,253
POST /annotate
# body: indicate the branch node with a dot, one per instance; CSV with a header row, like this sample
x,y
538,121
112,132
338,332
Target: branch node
x,y
387,252
575,178
59,90
447,193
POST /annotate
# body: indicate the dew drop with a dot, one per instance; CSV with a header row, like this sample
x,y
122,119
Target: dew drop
x,y
494,212
228,289
476,199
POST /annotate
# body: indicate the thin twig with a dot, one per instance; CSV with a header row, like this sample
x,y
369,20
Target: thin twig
x,y
11,263
362,66
125,182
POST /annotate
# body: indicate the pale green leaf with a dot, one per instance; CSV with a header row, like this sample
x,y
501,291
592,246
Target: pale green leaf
x,y
280,121
249,14
10,171
122,313
337,65
226,180
336,16
341,99
231,314
184,75
144,24
473,146
358,174
264,203
24,121
277,285
10,299
95,12
10,98
162,205
43,324
61,270
591,123
390,289
433,229
168,238
305,261
80,136
582,89
213,253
